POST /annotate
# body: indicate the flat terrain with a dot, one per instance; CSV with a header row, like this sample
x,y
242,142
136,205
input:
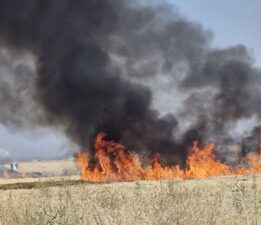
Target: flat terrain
x,y
47,167
224,200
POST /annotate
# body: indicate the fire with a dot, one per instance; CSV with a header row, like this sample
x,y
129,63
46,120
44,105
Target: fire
x,y
114,163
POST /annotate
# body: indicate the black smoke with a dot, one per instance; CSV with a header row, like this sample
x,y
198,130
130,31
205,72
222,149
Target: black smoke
x,y
94,58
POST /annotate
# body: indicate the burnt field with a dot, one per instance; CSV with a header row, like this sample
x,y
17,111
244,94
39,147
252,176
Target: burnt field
x,y
217,200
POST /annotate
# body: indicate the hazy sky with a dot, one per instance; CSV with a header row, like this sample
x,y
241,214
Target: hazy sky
x,y
232,22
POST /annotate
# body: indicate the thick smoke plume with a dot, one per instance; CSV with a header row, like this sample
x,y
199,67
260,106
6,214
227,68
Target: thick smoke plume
x,y
93,59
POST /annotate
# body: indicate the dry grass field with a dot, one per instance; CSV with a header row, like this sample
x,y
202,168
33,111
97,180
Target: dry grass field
x,y
225,200
47,167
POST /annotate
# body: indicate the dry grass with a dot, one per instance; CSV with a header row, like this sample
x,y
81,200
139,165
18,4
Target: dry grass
x,y
4,181
48,167
233,200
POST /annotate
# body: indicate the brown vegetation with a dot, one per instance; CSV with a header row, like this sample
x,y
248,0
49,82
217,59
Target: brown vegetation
x,y
226,200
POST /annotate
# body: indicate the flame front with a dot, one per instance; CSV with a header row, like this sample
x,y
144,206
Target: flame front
x,y
114,163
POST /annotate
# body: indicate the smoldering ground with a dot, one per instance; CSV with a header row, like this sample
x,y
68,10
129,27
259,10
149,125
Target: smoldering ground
x,y
93,59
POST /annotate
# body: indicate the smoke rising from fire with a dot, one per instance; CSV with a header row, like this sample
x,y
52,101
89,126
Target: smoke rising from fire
x,y
93,59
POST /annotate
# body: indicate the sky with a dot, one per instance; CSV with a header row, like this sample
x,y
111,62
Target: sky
x,y
232,22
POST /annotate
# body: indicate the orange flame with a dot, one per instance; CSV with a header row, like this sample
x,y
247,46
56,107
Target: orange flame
x,y
114,163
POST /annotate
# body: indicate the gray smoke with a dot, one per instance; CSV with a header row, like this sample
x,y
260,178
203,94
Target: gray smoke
x,y
94,58
16,84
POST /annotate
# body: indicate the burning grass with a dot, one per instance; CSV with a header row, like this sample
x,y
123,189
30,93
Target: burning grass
x,y
114,163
